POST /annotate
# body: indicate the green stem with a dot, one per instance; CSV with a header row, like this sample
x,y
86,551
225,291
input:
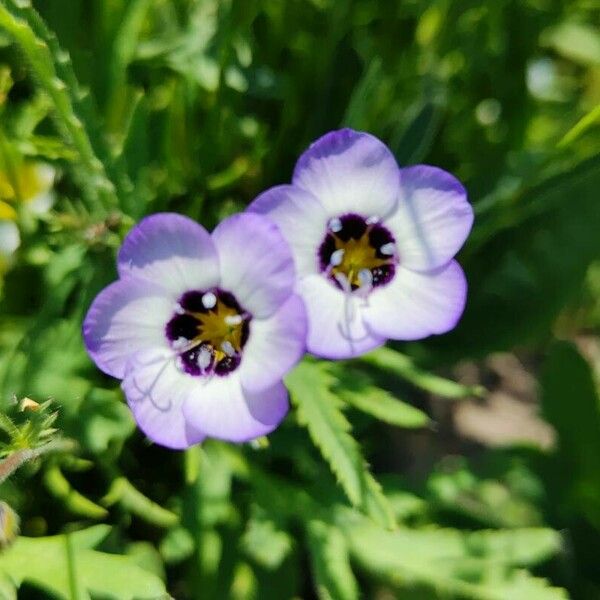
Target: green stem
x,y
17,459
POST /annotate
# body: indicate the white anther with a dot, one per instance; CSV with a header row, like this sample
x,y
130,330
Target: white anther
x,y
343,281
388,249
365,277
232,320
209,300
179,309
336,257
372,220
228,348
335,224
180,343
204,358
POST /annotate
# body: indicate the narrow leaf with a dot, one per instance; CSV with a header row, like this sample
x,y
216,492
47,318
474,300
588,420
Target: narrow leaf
x,y
330,563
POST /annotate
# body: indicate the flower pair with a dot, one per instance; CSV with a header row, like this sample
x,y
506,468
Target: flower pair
x,y
202,328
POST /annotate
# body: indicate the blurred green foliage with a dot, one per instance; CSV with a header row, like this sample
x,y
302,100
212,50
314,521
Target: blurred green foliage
x,y
196,106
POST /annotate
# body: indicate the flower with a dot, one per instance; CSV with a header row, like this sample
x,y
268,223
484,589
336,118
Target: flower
x,y
201,328
373,244
31,184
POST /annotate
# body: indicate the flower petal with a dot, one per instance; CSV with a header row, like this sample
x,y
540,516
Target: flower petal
x,y
275,345
331,331
223,409
415,305
349,172
433,218
10,238
256,263
127,316
155,390
300,217
170,250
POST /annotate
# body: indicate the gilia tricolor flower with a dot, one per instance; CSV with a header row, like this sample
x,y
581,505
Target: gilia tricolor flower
x,y
373,244
201,328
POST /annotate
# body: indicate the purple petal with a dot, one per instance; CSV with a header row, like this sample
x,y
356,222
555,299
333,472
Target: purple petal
x,y
256,263
223,409
275,345
415,305
170,250
300,217
127,316
156,390
433,218
335,323
349,172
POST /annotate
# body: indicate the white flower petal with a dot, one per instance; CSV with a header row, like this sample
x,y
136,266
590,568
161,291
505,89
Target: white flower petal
x,y
415,305
335,321
349,172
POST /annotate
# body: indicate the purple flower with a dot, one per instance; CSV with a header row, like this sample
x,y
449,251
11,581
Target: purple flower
x,y
373,244
201,328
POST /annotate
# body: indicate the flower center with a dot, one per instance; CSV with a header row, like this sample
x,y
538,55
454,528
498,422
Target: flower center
x,y
208,331
357,253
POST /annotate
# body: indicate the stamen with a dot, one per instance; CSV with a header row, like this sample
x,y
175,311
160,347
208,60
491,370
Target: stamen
x,y
209,300
228,348
335,224
204,358
388,249
233,320
337,257
343,281
366,278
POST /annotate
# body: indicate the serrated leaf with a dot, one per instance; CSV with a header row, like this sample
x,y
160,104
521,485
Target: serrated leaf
x,y
382,405
319,410
483,565
58,563
332,574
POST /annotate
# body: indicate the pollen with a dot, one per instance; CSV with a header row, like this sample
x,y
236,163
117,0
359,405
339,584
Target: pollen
x,y
357,253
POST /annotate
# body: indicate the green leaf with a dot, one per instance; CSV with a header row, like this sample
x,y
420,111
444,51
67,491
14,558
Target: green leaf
x,y
265,541
579,42
401,365
98,189
571,403
330,563
177,545
483,565
57,484
319,410
382,405
67,566
103,419
123,492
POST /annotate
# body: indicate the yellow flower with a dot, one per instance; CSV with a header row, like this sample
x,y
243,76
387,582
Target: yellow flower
x,y
31,183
